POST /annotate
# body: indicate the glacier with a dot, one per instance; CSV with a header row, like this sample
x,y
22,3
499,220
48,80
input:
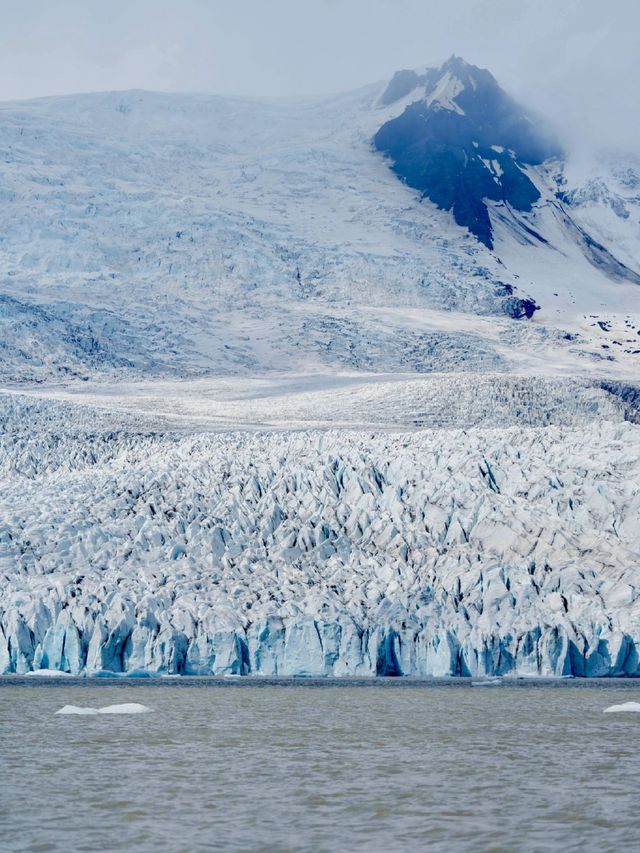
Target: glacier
x,y
448,550
266,410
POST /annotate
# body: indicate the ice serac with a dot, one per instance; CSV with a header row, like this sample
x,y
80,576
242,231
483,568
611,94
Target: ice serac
x,y
450,551
462,141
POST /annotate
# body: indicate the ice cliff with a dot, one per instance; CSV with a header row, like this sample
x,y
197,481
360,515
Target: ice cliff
x,y
442,551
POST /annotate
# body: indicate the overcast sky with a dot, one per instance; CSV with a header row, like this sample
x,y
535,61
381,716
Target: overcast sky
x,y
578,60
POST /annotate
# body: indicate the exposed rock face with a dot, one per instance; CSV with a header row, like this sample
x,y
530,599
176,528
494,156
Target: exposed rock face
x,y
464,140
401,84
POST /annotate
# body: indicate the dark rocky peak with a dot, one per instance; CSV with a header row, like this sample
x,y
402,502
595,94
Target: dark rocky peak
x,y
401,84
462,141
455,70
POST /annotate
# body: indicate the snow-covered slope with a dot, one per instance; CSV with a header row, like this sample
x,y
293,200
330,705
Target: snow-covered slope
x,y
266,408
213,235
562,227
151,235
603,195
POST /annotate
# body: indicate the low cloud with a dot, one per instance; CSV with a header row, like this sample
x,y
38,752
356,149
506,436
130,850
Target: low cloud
x,y
573,61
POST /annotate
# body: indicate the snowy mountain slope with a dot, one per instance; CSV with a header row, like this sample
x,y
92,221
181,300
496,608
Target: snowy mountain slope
x,y
219,214
562,227
317,553
603,196
211,235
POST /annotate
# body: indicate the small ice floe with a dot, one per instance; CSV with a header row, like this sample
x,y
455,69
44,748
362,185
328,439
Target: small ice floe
x,y
487,682
76,709
48,673
127,708
626,707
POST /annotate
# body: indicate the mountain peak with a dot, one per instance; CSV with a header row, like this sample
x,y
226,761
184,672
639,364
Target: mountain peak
x,y
458,65
463,140
438,84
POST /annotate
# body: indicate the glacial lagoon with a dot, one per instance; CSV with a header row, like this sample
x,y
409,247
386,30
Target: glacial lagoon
x,y
314,765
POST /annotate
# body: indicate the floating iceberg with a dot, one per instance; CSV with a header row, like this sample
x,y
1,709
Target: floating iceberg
x,y
127,708
78,710
48,673
626,707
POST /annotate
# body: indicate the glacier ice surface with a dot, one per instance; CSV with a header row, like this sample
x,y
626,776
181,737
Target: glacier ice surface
x,y
460,551
236,276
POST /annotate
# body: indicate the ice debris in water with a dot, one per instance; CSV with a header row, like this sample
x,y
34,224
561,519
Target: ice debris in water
x,y
49,673
626,707
126,708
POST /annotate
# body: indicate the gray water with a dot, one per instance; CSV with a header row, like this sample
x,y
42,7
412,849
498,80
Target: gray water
x,y
307,768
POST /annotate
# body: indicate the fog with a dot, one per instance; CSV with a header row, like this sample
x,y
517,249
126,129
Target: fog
x,y
576,61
